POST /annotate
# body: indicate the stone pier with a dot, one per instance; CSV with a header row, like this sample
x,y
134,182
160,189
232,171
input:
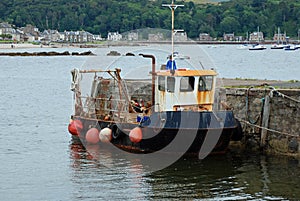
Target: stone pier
x,y
270,118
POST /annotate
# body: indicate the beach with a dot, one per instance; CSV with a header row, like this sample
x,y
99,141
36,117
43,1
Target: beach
x,y
30,45
17,45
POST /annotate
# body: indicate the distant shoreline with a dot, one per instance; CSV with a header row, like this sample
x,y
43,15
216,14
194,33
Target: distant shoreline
x,y
129,43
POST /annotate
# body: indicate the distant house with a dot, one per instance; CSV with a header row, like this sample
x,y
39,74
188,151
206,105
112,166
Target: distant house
x,y
228,37
97,37
77,36
6,28
155,37
180,36
28,37
46,36
70,36
51,35
114,36
30,31
18,35
133,36
239,38
85,36
205,37
62,36
256,36
280,37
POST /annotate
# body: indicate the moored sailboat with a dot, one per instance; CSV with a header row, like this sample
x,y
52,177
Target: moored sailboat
x,y
278,44
257,47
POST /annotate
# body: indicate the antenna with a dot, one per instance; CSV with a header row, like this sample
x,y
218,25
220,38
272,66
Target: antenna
x,y
173,7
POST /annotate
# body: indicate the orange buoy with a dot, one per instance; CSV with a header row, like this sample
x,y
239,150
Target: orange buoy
x,y
105,135
92,135
75,126
136,135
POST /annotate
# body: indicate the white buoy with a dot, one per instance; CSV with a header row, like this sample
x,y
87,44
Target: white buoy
x,y
105,135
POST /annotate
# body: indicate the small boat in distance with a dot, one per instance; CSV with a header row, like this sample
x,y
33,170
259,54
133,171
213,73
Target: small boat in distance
x,y
291,47
259,37
177,55
257,47
278,45
176,111
243,47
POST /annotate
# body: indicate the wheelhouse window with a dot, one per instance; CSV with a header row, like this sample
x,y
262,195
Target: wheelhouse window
x,y
161,83
205,83
171,84
187,83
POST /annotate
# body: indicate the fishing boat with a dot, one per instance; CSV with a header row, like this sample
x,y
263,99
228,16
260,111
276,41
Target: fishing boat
x,y
177,105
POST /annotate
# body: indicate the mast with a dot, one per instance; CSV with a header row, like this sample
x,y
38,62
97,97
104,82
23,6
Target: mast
x,y
278,35
173,7
258,35
298,35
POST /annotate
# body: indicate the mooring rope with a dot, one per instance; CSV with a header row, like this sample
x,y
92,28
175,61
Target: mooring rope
x,y
282,95
268,129
252,123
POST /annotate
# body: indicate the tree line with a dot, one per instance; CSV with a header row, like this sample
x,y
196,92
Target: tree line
x,y
102,16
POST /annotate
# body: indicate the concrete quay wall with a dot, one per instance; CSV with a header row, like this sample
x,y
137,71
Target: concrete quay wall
x,y
269,118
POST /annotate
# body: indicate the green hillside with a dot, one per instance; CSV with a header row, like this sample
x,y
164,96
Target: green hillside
x,y
101,16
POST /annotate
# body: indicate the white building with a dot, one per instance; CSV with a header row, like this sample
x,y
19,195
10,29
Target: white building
x,y
6,28
18,35
180,36
97,37
256,36
205,37
114,36
133,36
51,35
77,36
155,37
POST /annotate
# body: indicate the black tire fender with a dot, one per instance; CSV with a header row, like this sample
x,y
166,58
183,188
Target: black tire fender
x,y
238,133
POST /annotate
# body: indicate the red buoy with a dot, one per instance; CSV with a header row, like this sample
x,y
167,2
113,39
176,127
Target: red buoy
x,y
92,135
75,126
136,135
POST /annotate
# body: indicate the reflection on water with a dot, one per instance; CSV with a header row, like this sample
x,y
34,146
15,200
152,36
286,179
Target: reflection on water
x,y
118,181
218,177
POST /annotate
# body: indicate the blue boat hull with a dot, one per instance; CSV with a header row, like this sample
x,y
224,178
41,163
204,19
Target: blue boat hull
x,y
161,130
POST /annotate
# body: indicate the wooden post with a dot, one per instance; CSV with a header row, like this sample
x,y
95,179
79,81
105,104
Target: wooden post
x,y
265,121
